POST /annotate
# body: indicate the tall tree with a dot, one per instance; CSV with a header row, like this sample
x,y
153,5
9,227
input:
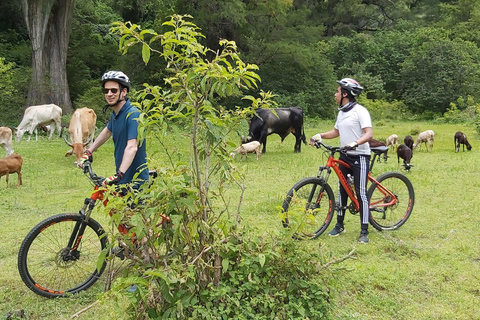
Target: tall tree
x,y
48,26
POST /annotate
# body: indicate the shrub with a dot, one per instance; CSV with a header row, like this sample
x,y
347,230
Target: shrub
x,y
381,109
191,257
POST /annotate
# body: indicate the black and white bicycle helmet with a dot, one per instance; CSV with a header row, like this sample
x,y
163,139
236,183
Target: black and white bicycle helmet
x,y
117,76
351,85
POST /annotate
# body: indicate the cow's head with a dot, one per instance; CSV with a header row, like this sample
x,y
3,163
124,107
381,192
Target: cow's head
x,y
19,133
77,148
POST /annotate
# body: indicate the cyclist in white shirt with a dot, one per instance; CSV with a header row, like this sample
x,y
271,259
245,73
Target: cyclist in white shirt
x,y
354,126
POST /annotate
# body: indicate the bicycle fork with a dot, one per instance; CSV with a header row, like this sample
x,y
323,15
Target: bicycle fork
x,y
71,252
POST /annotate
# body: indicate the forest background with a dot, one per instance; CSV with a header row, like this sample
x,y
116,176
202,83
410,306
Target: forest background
x,y
416,59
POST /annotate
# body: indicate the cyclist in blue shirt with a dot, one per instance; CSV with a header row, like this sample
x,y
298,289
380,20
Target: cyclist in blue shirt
x,y
130,156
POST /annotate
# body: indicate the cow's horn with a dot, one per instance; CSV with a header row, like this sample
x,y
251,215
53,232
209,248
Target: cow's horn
x,y
68,143
88,141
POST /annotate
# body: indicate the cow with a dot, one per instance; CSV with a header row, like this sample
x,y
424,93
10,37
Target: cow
x,y
425,137
46,114
408,141
82,131
392,141
461,139
405,153
247,148
11,164
281,121
6,140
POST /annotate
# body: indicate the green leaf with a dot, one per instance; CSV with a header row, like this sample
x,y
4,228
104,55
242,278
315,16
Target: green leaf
x,y
261,259
225,263
145,53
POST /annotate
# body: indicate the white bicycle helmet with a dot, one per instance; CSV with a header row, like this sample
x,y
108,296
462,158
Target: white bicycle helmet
x,y
351,85
117,76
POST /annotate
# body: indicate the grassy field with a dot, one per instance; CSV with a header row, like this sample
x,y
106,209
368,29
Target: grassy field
x,y
428,269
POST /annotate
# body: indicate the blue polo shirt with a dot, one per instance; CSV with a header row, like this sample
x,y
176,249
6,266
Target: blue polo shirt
x,y
124,127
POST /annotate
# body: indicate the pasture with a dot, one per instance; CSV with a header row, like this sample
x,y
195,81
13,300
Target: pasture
x,y
428,269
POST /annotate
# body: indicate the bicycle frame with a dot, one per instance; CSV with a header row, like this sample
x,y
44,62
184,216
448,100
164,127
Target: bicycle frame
x,y
334,164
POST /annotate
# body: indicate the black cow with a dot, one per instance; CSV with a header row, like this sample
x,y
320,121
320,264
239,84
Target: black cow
x,y
405,153
281,121
461,139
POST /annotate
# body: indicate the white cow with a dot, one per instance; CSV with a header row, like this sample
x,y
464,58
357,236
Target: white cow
x,y
425,137
249,147
47,114
392,141
82,131
6,140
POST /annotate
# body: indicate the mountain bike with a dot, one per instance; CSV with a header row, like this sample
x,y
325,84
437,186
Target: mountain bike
x,y
66,253
312,202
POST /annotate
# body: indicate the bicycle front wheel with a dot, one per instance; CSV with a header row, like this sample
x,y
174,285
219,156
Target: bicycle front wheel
x,y
391,201
49,268
310,204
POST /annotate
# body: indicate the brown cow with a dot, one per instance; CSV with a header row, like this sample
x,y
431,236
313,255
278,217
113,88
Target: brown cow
x,y
11,164
6,140
82,131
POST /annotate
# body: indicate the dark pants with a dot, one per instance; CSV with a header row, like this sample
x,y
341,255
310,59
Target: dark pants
x,y
359,166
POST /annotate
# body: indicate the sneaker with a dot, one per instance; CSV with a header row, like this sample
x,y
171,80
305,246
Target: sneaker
x,y
363,237
337,230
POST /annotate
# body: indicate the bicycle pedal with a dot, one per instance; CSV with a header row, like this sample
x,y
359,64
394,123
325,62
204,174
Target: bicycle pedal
x,y
118,252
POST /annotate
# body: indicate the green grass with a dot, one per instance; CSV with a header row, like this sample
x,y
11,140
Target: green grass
x,y
428,269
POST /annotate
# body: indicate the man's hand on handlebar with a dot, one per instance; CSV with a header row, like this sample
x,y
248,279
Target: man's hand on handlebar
x,y
87,156
115,179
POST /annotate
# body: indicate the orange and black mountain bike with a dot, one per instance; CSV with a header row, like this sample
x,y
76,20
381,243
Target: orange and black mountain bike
x,y
66,253
312,201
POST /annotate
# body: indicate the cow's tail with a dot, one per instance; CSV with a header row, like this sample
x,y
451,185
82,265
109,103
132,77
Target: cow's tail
x,y
303,136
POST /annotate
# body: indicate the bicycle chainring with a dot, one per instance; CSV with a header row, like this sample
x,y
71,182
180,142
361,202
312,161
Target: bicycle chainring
x,y
352,209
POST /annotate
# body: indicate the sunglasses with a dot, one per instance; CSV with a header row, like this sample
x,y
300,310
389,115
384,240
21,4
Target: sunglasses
x,y
106,90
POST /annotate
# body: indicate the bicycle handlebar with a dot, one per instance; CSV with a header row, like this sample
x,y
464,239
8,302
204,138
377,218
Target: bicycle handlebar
x,y
319,144
87,168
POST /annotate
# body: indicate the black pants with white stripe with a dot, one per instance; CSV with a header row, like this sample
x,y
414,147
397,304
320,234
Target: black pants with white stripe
x,y
359,170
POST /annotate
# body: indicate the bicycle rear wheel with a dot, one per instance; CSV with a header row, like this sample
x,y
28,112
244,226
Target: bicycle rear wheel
x,y
49,268
310,203
389,212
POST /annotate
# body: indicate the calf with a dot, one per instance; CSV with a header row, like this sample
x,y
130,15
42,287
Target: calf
x,y
408,141
392,141
405,153
249,147
11,164
461,138
425,137
6,140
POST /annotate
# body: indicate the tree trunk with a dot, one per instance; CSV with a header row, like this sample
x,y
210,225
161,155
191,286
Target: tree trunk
x,y
48,25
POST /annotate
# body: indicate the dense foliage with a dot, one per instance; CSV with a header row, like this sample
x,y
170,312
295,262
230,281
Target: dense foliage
x,y
424,53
